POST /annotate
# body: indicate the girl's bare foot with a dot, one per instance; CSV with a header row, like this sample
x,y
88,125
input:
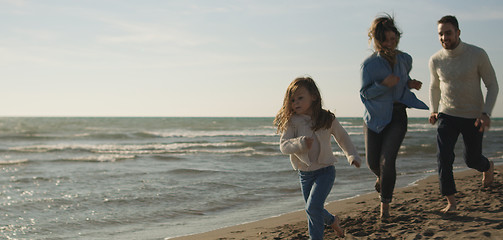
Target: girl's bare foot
x,y
488,176
337,228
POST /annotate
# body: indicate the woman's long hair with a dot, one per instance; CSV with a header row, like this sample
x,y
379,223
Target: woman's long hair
x,y
377,33
322,118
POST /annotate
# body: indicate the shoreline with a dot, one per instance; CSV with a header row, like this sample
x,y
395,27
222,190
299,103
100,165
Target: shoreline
x,y
415,212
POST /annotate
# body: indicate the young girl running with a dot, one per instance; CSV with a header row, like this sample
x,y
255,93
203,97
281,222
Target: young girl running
x,y
306,130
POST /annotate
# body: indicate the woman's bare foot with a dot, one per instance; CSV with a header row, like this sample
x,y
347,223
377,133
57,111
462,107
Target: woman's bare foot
x,y
451,204
449,209
488,176
377,186
384,210
337,228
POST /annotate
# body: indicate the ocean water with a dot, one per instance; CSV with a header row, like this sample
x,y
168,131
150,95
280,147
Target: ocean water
x,y
157,178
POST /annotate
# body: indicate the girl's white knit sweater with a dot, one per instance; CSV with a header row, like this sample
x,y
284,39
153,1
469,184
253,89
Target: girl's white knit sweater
x,y
293,143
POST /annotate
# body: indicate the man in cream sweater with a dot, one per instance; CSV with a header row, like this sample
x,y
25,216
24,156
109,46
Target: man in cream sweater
x,y
458,104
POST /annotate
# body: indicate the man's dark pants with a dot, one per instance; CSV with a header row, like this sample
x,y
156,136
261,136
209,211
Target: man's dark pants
x,y
449,128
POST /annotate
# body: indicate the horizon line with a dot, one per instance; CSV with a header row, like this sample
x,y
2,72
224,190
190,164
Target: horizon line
x,y
153,116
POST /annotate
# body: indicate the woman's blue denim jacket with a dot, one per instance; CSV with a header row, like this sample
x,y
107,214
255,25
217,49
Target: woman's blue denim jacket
x,y
378,99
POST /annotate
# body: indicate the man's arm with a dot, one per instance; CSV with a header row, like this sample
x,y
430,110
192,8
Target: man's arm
x,y
489,78
435,92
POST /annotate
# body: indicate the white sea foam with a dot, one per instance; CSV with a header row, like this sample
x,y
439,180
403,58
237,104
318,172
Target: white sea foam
x,y
101,158
13,161
198,134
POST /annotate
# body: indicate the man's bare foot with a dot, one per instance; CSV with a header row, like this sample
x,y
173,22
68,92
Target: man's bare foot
x,y
488,176
337,228
384,210
451,204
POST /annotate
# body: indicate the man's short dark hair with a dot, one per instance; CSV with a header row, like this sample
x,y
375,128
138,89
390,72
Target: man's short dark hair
x,y
449,19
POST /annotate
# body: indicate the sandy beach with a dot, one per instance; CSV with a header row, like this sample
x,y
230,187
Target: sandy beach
x,y
415,215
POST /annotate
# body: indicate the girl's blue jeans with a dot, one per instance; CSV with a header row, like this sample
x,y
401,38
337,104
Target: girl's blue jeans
x,y
316,186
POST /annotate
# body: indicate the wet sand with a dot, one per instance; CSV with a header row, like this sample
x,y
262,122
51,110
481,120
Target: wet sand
x,y
415,214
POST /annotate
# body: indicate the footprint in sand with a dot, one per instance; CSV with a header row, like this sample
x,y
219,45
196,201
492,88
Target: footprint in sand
x,y
429,232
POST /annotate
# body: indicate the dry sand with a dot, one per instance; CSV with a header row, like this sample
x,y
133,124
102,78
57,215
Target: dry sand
x,y
415,214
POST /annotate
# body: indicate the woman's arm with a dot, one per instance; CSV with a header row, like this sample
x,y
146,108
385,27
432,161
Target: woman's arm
x,y
372,89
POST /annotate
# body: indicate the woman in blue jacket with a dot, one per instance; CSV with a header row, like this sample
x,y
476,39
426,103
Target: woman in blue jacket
x,y
386,94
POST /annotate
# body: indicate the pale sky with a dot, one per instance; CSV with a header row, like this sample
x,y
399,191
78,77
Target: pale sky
x,y
212,58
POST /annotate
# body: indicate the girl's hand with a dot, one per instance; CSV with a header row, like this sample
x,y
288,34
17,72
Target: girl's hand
x,y
390,81
414,84
356,164
309,142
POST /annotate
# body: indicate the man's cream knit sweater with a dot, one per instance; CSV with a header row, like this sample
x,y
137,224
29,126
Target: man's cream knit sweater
x,y
455,82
